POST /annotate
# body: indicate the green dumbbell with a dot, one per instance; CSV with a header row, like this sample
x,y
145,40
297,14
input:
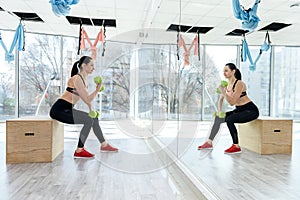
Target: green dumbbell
x,y
102,88
94,114
214,114
223,84
221,114
98,79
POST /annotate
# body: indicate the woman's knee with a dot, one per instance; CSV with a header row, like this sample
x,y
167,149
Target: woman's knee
x,y
95,120
89,121
84,120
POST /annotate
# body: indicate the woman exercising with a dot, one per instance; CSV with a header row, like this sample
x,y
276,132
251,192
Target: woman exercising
x,y
245,111
63,109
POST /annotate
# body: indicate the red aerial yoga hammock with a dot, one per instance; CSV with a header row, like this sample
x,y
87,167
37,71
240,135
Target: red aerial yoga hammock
x,y
93,47
186,54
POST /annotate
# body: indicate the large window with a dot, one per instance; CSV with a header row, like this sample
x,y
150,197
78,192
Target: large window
x,y
187,90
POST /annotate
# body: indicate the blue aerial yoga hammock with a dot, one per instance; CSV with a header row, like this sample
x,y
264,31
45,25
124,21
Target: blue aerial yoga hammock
x,y
249,18
246,53
62,7
19,38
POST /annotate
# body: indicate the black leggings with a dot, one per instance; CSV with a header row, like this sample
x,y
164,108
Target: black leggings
x,y
64,112
241,114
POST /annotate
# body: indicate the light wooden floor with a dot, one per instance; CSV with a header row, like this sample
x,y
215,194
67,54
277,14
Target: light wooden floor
x,y
128,175
247,175
110,176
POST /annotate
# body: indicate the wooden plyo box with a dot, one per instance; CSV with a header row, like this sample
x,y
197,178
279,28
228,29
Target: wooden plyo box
x,y
33,140
267,136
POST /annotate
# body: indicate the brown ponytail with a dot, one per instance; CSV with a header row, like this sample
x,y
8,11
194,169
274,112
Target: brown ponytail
x,y
237,73
77,65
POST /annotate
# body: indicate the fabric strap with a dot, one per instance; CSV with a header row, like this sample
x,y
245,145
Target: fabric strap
x,y
186,54
93,47
19,40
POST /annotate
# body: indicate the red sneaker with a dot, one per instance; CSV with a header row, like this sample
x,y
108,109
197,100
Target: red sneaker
x,y
83,154
108,148
233,149
206,145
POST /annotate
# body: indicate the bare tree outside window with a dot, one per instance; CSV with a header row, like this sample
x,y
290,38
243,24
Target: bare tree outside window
x,y
39,65
164,82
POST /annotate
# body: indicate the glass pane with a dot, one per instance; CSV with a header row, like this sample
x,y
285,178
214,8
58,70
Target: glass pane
x,y
286,99
115,70
165,95
215,59
196,133
258,80
39,66
7,79
190,73
141,95
128,100
190,83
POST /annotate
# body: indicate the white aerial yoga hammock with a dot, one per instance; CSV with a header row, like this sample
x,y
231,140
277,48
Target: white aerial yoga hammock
x,y
249,18
246,52
18,39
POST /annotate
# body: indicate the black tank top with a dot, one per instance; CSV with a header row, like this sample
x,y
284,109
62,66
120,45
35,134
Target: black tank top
x,y
243,93
73,90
